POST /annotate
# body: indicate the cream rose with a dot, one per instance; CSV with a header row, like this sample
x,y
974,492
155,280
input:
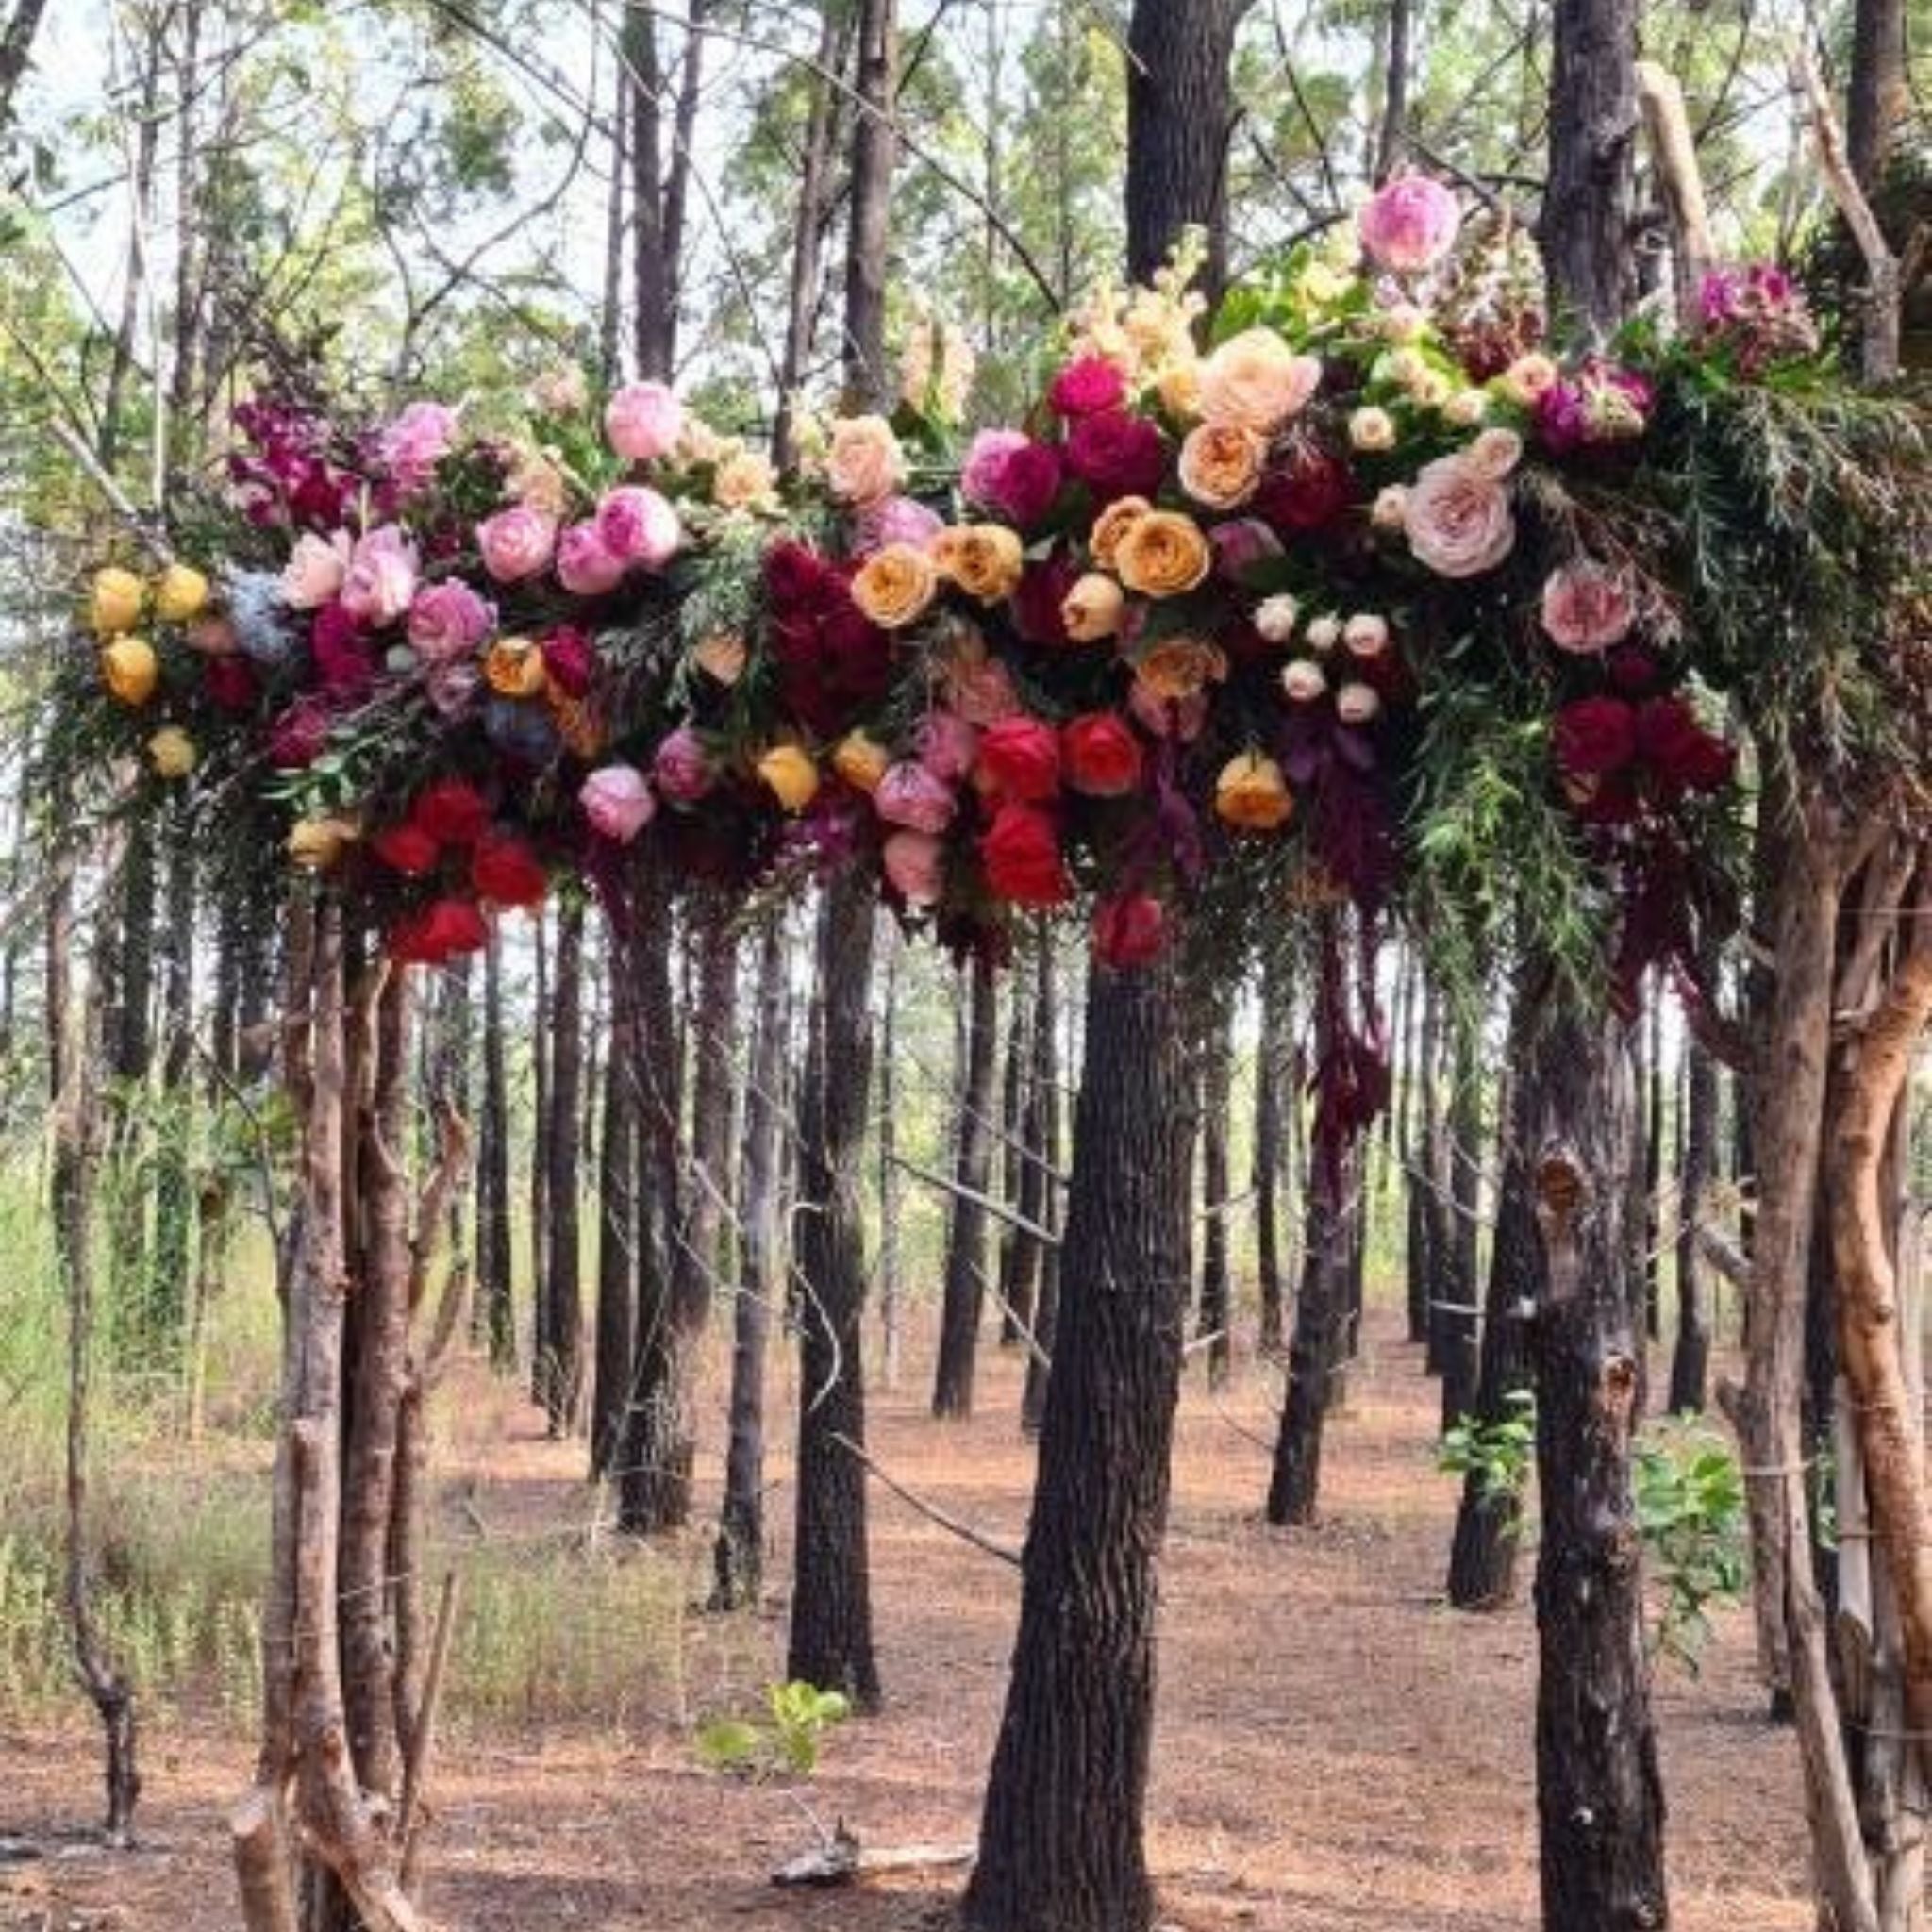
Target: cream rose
x,y
864,461
1458,518
1256,381
1092,608
1221,464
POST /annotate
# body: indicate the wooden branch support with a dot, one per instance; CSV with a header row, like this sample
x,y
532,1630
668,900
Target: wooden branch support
x,y
931,1511
423,1736
1673,152
998,1208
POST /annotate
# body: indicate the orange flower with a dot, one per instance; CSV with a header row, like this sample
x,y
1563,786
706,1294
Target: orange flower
x,y
1252,795
984,559
1111,525
130,669
513,668
1178,668
895,585
860,761
1163,555
577,724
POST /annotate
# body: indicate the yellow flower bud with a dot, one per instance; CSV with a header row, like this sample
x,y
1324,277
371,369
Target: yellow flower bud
x,y
860,761
315,845
130,669
172,752
789,775
115,602
180,593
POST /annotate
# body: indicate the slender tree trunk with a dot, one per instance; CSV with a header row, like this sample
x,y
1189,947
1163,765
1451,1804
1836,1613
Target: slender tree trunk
x,y
1589,200
1392,139
1424,1209
965,1287
1879,96
618,1229
1216,1316
1017,1255
1456,1287
1270,1104
1060,1844
1320,1309
494,1264
1690,1358
543,1047
891,1316
561,1284
16,48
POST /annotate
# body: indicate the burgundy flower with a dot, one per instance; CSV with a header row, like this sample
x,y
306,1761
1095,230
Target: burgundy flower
x,y
1307,490
230,683
1102,754
296,738
405,848
1679,749
1037,603
343,658
794,576
1022,857
1117,455
438,933
506,869
569,660
1594,736
1129,930
1023,483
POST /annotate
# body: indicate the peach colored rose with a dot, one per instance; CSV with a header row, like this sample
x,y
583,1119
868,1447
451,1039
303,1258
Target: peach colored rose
x,y
1179,668
1092,608
1458,518
745,481
1221,464
1111,525
1163,555
864,461
1255,381
895,585
1251,794
984,559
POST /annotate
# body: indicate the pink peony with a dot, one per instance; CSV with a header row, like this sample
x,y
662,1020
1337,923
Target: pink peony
x,y
643,421
516,544
315,570
1587,608
915,863
947,745
912,796
985,455
381,579
1086,385
893,520
1458,518
639,526
448,622
682,767
585,564
618,801
416,441
1409,225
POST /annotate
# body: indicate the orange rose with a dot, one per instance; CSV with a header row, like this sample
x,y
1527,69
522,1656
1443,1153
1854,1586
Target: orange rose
x,y
1221,464
860,761
1251,794
514,668
895,585
984,559
1163,553
1179,668
1112,523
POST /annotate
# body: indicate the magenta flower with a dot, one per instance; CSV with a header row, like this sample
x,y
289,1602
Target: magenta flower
x,y
618,801
639,526
586,566
1409,225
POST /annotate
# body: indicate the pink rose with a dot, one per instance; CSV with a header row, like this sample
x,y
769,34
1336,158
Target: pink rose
x,y
618,801
585,565
914,863
1458,518
381,579
947,745
1409,225
516,544
1088,384
912,796
315,570
448,622
639,526
643,421
416,441
1587,608
1011,476
893,520
683,767
988,451
982,693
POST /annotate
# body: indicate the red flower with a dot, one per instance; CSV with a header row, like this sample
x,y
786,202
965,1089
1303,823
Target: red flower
x,y
343,658
795,574
296,738
505,871
452,812
1307,490
1117,455
1102,753
1024,483
1679,750
438,933
1019,757
1633,670
231,684
1594,736
1086,387
1129,930
571,662
405,848
1022,857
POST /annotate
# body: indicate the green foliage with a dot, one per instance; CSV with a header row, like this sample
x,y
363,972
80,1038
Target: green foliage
x,y
1689,1495
1500,1455
786,1739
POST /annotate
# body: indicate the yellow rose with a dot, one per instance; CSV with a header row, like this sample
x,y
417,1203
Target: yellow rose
x,y
1256,381
513,667
1178,668
1221,464
721,656
1092,608
1251,794
130,669
172,752
115,602
789,775
1111,525
745,481
315,845
1163,555
984,559
860,761
895,585
864,462
181,594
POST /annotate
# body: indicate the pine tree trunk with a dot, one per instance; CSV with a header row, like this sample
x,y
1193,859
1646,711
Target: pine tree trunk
x,y
1016,1252
496,1289
1216,1314
1060,1844
1690,1358
892,1317
560,1286
542,1315
1270,1103
618,1230
831,1638
1320,1309
965,1283
1457,1266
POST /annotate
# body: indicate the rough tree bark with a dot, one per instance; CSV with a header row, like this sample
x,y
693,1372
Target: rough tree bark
x,y
495,1287
1272,1094
1453,1284
1696,1169
1018,1256
1044,1138
1216,1312
892,1312
618,1230
561,1284
965,1282
16,48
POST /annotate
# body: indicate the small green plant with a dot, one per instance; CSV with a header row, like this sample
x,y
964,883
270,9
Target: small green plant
x,y
786,1739
1690,1514
1497,1453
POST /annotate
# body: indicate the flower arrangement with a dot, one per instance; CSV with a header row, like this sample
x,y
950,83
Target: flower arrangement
x,y
1268,604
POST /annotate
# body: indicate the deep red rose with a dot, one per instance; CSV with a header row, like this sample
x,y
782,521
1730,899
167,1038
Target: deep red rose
x,y
834,664
452,812
405,848
505,871
438,933
1306,491
1022,857
570,660
1102,753
343,658
1594,736
1024,483
1129,931
231,684
795,574
1019,757
1679,749
1087,386
296,738
1117,455
1036,604
1633,670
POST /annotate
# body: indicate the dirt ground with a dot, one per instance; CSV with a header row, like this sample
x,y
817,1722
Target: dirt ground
x,y
1336,1749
